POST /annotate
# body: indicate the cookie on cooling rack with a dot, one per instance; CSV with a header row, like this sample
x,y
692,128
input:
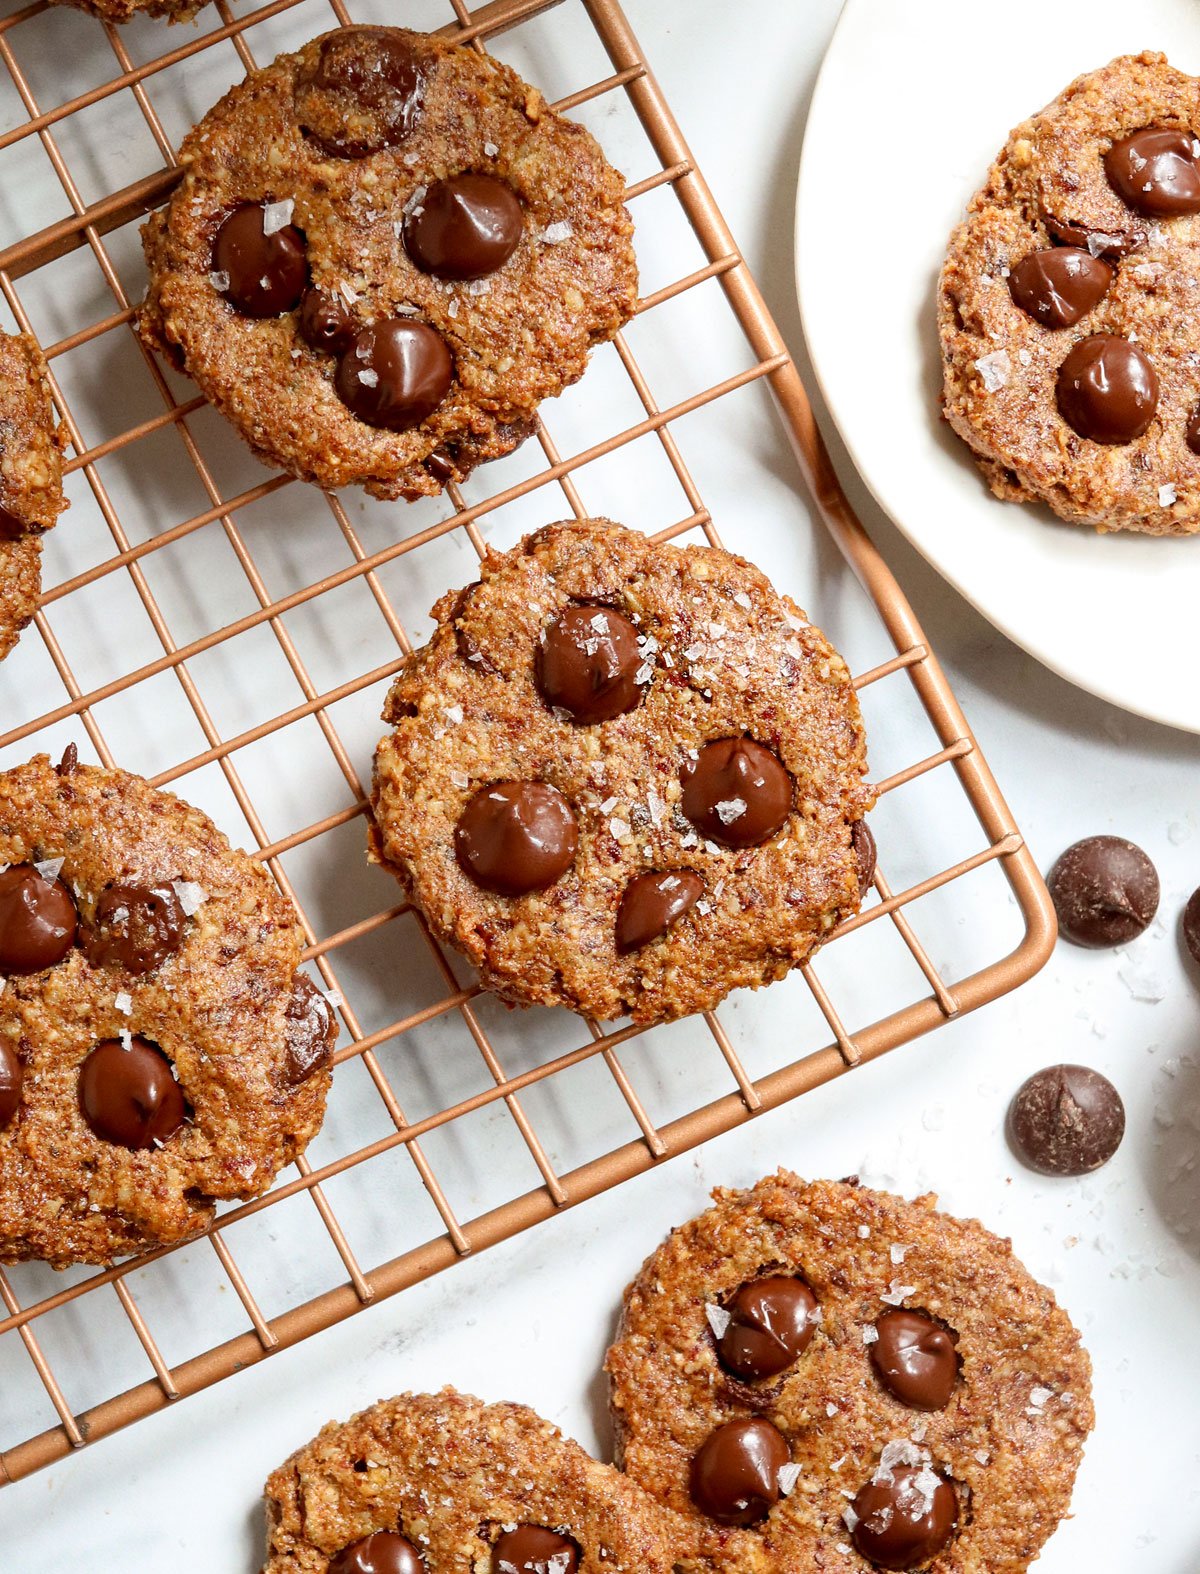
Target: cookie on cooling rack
x,y
159,1050
386,251
122,10
1069,303
624,776
31,494
443,1484
821,1376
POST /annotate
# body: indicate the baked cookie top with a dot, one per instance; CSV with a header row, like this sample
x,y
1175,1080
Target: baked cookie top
x,y
846,1380
385,252
31,494
122,10
444,1484
159,1050
1069,305
624,776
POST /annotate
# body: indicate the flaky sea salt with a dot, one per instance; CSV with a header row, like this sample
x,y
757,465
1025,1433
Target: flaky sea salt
x,y
1099,241
554,234
995,369
454,714
219,280
124,1003
369,377
870,1333
1167,495
897,1253
619,828
490,149
49,868
831,1410
899,1451
609,805
718,1320
864,1232
460,779
730,809
787,1477
126,1038
277,215
896,1292
191,896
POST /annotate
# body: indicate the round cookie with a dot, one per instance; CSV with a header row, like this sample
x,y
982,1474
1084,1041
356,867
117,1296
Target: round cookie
x,y
31,494
1069,304
624,776
444,1483
933,1378
385,253
159,1051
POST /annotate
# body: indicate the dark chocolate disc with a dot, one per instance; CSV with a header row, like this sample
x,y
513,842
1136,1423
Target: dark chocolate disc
x,y
135,927
1112,245
11,528
771,1324
37,920
1060,284
652,903
1066,1120
311,1030
1191,926
587,663
737,793
1156,171
516,837
395,373
130,1096
12,1075
863,841
735,1472
266,273
904,1518
382,1552
363,93
1107,389
531,1549
915,1358
325,321
1105,891
464,227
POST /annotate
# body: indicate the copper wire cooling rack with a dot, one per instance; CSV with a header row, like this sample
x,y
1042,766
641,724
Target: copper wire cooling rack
x,y
359,1155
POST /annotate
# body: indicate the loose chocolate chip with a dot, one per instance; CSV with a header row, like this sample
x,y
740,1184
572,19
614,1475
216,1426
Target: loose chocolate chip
x,y
325,321
395,373
587,663
516,837
771,1324
382,1552
652,903
1111,245
266,273
1107,389
464,227
1156,171
1059,285
1191,926
1105,891
904,1518
135,927
12,1074
129,1096
737,793
11,528
310,1029
916,1359
735,1472
363,93
531,1549
863,842
1066,1120
37,920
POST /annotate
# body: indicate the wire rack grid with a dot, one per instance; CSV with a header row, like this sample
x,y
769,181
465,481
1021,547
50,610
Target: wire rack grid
x,y
354,1161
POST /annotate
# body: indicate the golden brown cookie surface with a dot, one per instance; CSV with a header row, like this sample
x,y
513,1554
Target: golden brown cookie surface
x,y
31,495
122,10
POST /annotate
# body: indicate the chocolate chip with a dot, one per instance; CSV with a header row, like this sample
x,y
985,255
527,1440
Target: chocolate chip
x,y
135,927
1107,389
325,321
652,903
1111,245
1105,891
266,273
1066,1120
735,1472
737,793
905,1518
771,1324
395,373
531,1549
310,1030
69,763
129,1096
11,528
1191,926
37,920
1155,171
440,466
464,227
587,663
12,1075
915,1358
1192,434
516,837
863,842
1059,285
363,92
382,1552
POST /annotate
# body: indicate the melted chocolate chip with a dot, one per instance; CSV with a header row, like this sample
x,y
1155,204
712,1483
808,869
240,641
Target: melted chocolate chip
x,y
1155,171
310,1029
516,837
129,1096
440,466
1111,245
1105,891
382,1552
587,663
1192,432
69,763
1059,285
395,373
11,528
905,1518
1107,389
771,1324
863,842
530,1549
1066,1120
325,322
1191,926
737,793
266,273
652,903
915,1358
135,927
735,1472
37,920
12,1075
363,93
464,227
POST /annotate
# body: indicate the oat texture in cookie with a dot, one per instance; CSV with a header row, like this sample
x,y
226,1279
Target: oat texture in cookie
x,y
31,494
443,1484
1069,305
386,250
624,776
819,1376
159,1050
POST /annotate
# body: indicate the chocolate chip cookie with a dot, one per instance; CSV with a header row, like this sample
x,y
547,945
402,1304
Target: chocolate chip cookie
x,y
386,251
159,1050
624,776
442,1484
122,10
31,494
818,1376
1069,302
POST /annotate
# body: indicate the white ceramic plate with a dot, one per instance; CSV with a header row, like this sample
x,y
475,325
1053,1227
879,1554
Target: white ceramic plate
x,y
912,103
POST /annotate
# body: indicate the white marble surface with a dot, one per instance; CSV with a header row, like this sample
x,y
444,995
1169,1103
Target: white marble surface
x,y
529,1320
